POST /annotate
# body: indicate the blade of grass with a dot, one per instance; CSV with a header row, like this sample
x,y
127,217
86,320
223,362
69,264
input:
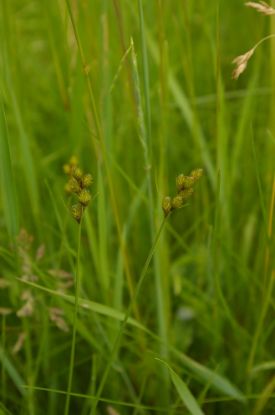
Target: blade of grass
x,y
209,376
183,391
89,305
7,179
12,371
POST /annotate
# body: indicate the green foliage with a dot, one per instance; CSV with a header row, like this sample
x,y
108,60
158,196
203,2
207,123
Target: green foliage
x,y
141,92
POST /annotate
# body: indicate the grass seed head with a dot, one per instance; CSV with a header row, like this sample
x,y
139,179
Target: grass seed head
x,y
166,205
241,63
77,211
261,7
73,186
177,202
185,189
84,197
186,193
73,161
77,186
196,174
67,169
77,173
184,182
87,180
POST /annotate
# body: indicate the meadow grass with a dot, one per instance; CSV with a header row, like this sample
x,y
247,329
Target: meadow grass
x,y
169,315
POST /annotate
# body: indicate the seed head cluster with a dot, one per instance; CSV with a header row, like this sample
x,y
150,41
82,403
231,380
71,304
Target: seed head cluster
x,y
77,185
185,188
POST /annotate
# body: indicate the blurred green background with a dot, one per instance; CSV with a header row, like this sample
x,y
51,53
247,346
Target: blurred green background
x,y
140,91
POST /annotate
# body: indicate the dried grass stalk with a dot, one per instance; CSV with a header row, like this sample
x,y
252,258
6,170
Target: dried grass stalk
x,y
261,7
241,63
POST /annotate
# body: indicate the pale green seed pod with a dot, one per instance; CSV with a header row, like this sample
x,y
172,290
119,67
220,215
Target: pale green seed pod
x,y
87,180
177,202
67,169
84,197
77,211
166,205
196,174
73,185
73,161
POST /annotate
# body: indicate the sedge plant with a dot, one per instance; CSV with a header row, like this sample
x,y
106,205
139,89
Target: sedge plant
x,y
185,188
77,186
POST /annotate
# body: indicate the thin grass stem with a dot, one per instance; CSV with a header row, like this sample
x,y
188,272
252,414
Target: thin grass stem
x,y
72,356
126,317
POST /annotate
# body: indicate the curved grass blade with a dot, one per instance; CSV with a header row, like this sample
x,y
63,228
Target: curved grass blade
x,y
12,372
209,376
90,305
183,391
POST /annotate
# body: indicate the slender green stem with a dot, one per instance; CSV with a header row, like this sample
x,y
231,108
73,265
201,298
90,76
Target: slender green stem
x,y
3,373
145,127
77,291
126,317
264,39
259,328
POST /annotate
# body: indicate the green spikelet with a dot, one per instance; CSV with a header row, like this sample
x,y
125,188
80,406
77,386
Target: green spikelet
x,y
77,186
77,211
177,202
77,173
196,174
185,189
73,186
84,197
186,193
184,182
87,180
166,205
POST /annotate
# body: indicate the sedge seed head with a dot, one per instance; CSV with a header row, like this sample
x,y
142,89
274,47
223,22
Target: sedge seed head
x,y
87,180
166,205
73,161
77,173
196,174
177,202
67,169
184,182
73,186
77,211
180,180
84,197
186,193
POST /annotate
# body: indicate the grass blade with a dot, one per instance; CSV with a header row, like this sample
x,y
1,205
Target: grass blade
x,y
209,376
12,372
7,179
184,392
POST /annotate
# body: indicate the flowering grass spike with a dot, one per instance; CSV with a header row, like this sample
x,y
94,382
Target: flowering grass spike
x,y
77,185
185,189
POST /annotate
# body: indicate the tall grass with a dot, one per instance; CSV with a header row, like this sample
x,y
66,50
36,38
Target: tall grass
x,y
140,91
